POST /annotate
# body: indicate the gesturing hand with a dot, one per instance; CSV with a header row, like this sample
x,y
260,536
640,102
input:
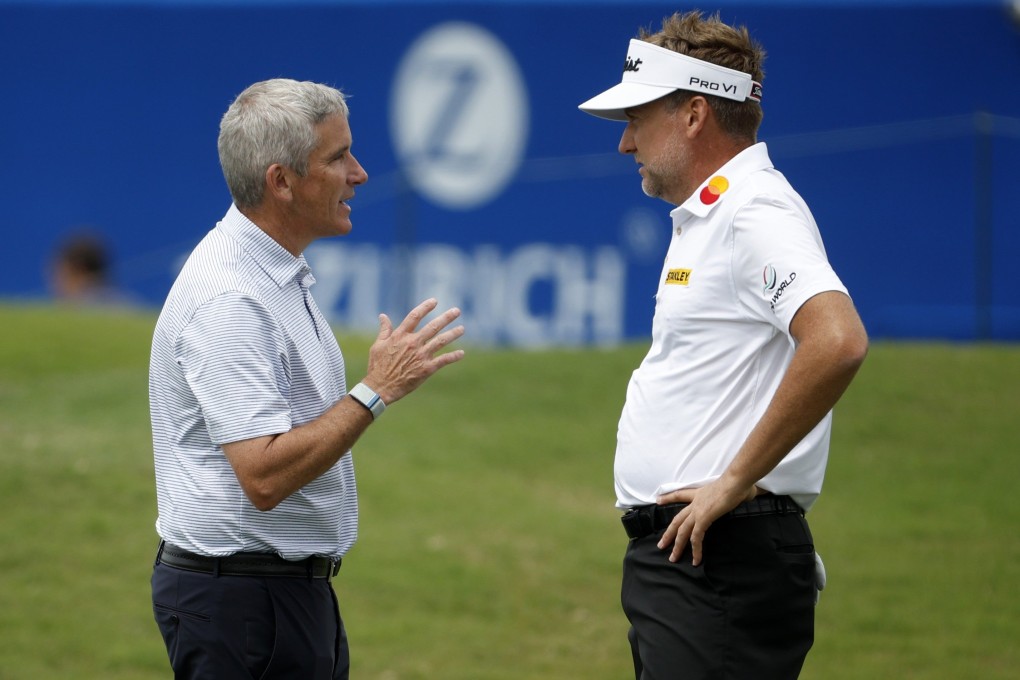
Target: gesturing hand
x,y
402,358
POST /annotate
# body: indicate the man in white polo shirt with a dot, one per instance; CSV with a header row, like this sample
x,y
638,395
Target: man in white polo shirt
x,y
251,417
724,436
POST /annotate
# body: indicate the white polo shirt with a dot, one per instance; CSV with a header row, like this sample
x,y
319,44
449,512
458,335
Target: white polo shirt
x,y
241,351
745,255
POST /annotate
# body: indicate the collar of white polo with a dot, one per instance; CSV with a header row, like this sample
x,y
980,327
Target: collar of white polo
x,y
651,72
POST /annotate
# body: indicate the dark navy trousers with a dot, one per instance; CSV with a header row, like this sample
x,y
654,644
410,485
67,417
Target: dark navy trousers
x,y
244,627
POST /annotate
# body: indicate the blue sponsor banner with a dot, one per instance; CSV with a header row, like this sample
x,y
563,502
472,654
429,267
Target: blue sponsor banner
x,y
487,187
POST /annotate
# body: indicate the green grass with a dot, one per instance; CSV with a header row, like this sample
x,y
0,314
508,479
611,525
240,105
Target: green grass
x,y
489,546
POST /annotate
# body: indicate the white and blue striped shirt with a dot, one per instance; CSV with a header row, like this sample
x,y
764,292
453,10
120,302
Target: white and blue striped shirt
x,y
241,351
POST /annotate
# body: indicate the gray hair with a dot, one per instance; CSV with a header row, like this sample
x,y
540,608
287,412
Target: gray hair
x,y
272,121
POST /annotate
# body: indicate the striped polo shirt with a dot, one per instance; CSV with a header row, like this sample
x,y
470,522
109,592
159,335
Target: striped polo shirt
x,y
240,351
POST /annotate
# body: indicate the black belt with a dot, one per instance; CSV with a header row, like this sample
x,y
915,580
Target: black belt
x,y
247,564
647,519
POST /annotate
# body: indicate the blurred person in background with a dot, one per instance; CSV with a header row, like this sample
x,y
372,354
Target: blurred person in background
x,y
724,436
79,273
252,420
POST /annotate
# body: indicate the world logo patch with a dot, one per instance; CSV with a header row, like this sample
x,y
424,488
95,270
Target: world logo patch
x,y
768,277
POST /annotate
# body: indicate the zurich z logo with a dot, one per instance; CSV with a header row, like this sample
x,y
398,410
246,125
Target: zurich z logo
x,y
463,80
459,115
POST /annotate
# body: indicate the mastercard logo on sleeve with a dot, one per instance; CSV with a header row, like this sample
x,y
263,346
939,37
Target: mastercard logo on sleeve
x,y
714,189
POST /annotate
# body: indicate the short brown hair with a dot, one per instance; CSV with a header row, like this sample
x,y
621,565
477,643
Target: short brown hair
x,y
711,40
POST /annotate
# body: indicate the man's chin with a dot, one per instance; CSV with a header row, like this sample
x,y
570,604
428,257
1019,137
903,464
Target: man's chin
x,y
342,228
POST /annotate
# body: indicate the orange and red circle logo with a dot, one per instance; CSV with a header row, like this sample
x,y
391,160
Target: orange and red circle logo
x,y
714,189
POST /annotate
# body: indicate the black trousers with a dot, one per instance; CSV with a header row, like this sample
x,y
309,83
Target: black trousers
x,y
746,612
244,627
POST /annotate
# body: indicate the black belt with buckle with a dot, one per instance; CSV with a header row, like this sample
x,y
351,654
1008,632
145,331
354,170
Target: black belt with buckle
x,y
247,564
648,519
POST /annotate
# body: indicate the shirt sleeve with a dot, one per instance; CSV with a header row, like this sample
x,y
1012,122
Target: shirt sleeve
x,y
233,354
779,260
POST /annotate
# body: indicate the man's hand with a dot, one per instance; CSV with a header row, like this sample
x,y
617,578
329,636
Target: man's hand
x,y
706,505
272,467
402,358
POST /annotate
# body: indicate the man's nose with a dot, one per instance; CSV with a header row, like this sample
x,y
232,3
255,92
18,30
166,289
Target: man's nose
x,y
360,176
626,145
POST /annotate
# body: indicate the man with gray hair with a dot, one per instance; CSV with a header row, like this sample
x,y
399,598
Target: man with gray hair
x,y
252,420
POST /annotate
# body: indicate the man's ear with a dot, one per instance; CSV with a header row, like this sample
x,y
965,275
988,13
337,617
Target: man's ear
x,y
696,115
278,182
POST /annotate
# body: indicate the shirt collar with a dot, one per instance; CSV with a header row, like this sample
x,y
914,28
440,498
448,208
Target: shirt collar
x,y
270,256
714,189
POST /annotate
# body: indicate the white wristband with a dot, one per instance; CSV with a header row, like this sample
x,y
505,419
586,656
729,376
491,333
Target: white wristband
x,y
364,395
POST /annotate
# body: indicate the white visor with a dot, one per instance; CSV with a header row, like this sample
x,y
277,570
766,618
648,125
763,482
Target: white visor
x,y
651,72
